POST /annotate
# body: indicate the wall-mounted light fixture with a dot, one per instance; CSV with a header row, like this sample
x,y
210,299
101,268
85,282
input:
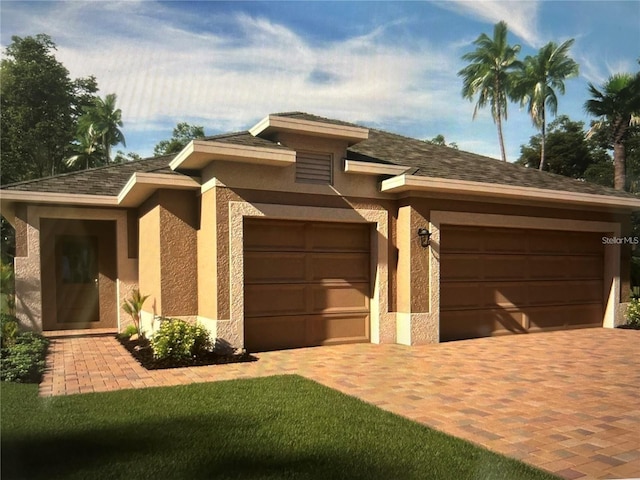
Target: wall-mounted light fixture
x,y
425,237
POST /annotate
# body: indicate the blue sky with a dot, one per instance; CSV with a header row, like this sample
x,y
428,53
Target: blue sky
x,y
389,65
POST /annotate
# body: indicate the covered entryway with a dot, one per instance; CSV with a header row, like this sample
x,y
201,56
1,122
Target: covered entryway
x,y
78,274
504,280
306,283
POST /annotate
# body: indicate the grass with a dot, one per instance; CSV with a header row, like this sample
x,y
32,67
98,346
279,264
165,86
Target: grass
x,y
283,427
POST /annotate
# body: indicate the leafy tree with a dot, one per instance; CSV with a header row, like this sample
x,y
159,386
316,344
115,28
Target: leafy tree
x,y
87,149
536,83
440,140
102,120
122,157
183,133
569,153
489,75
38,108
617,106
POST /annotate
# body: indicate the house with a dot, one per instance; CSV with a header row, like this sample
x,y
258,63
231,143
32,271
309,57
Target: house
x,y
309,231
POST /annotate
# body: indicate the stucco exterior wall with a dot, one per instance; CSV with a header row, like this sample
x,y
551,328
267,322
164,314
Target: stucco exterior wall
x,y
168,253
28,268
207,259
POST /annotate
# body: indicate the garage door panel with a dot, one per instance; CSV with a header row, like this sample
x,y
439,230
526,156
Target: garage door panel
x,y
559,293
339,237
504,241
274,333
274,236
332,329
548,242
567,316
458,325
461,239
338,298
504,267
351,267
585,267
587,243
504,295
265,267
266,300
460,268
461,295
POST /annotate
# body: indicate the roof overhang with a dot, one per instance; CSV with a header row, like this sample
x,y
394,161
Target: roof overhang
x,y
406,183
58,198
142,185
369,168
274,124
199,153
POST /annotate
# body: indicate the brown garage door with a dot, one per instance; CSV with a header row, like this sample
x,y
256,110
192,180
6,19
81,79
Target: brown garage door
x,y
306,284
495,281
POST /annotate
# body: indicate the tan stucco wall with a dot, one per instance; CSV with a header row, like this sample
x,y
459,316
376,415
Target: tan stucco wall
x,y
207,259
28,268
149,256
168,253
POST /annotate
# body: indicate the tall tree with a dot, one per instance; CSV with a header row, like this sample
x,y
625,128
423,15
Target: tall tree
x,y
183,133
38,102
536,84
104,120
569,153
489,75
617,106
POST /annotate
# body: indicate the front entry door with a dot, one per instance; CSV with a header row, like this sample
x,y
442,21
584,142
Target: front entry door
x,y
77,294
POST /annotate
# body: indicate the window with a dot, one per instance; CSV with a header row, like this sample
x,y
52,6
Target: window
x,y
314,168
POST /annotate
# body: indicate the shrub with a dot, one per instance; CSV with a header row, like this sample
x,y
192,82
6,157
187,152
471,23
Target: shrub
x,y
177,339
24,361
633,313
9,329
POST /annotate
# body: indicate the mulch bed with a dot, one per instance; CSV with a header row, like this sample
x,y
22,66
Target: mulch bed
x,y
140,349
629,327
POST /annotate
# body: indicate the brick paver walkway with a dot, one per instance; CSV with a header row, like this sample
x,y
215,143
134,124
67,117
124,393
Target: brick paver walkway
x,y
567,402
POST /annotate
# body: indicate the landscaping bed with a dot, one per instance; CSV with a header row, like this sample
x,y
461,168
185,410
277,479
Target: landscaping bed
x,y
142,351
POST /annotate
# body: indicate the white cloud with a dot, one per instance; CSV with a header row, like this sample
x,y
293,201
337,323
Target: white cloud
x,y
162,70
521,16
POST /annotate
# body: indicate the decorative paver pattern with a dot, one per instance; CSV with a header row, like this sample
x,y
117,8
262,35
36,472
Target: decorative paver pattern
x,y
563,401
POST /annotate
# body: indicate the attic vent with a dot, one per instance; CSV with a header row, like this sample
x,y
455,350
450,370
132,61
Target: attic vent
x,y
314,168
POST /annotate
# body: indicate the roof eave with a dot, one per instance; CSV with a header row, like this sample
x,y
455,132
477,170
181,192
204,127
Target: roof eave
x,y
22,196
141,185
370,168
274,123
404,183
199,153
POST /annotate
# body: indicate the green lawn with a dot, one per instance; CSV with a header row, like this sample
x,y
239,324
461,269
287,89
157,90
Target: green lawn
x,y
277,428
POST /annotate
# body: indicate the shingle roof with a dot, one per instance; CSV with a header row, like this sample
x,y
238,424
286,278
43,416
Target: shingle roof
x,y
444,162
107,180
381,147
315,118
244,138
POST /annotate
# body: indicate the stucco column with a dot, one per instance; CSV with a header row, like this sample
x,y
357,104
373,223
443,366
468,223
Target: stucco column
x,y
414,323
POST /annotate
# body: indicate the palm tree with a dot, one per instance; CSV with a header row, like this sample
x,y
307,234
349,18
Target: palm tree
x,y
87,149
536,83
105,119
489,75
617,105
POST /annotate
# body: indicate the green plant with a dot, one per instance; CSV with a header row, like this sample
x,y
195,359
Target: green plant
x,y
24,361
633,313
7,288
129,331
133,306
177,339
9,328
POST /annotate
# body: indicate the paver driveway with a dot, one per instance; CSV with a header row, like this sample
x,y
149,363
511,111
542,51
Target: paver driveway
x,y
567,402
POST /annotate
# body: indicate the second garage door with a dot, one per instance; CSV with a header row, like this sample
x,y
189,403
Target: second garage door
x,y
306,283
495,281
